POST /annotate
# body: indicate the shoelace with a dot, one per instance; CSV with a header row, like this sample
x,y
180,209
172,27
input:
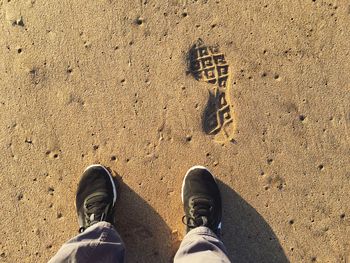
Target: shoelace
x,y
200,211
96,209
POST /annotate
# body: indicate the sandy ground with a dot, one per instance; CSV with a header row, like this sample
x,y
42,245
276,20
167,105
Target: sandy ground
x,y
108,82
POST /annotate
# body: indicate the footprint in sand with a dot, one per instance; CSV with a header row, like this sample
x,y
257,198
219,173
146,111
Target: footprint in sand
x,y
208,64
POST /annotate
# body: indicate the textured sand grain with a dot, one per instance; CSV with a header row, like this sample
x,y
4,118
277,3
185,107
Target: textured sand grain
x,y
105,82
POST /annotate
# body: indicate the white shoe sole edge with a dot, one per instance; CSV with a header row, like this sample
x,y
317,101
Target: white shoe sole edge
x,y
110,177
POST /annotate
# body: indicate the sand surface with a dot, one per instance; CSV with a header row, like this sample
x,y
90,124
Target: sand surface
x,y
109,82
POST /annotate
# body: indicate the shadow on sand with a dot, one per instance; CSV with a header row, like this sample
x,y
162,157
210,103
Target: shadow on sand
x,y
245,233
146,236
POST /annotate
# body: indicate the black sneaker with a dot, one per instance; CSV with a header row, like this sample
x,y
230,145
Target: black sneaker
x,y
201,199
96,196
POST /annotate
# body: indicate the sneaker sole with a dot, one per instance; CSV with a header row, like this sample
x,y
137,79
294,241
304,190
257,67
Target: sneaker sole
x,y
110,177
188,172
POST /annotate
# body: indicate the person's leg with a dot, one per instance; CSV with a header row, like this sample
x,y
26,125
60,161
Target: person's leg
x,y
202,205
99,243
98,240
201,245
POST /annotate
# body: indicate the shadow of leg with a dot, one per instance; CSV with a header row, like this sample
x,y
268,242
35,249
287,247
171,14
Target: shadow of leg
x,y
146,236
246,235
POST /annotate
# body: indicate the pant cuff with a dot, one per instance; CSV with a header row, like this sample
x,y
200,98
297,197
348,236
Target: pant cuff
x,y
201,230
